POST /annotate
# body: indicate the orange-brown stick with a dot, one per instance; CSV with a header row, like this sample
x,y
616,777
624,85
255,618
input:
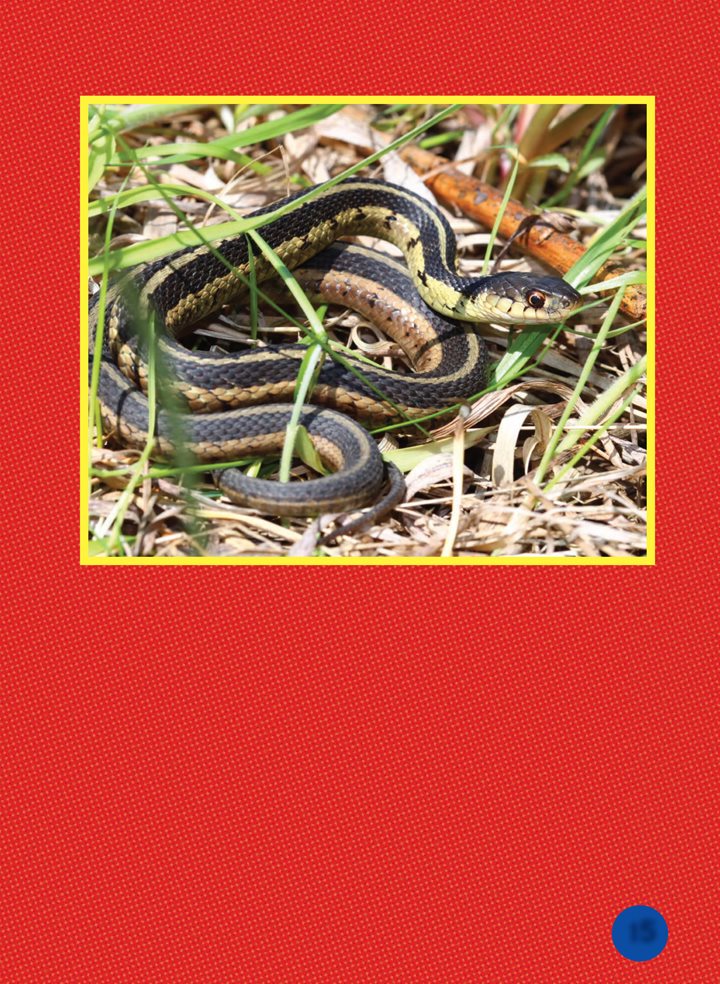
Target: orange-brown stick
x,y
482,202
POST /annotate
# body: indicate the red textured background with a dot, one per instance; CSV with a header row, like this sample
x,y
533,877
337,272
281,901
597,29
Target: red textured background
x,y
344,774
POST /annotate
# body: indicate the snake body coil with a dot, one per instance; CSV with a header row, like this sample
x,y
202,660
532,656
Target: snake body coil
x,y
229,395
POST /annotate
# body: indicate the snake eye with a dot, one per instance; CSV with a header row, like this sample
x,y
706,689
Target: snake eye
x,y
536,299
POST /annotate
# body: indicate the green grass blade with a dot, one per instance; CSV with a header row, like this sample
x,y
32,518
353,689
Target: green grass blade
x,y
226,147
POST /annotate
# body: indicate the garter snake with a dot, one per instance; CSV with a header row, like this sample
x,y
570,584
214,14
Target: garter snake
x,y
237,401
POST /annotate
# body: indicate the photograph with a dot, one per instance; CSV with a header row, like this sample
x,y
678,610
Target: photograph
x,y
367,330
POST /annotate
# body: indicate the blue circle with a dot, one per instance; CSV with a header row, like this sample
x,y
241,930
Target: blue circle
x,y
639,933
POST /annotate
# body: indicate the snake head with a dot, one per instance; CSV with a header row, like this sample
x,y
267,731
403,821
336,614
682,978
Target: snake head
x,y
520,299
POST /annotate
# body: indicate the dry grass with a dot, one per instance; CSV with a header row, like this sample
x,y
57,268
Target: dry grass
x,y
598,508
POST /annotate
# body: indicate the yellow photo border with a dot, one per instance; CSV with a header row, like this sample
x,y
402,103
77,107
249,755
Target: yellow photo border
x,y
649,560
